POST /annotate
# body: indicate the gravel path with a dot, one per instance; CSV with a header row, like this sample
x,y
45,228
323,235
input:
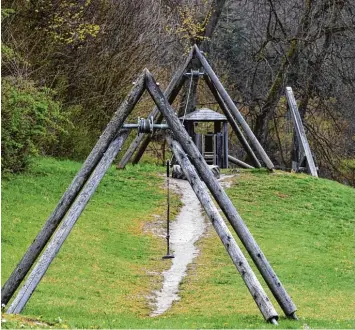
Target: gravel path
x,y
185,231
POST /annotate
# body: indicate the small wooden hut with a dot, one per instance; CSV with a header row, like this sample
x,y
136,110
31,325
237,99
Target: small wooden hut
x,y
209,131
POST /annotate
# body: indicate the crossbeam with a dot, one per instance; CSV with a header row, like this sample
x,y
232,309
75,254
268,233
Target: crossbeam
x,y
222,199
197,171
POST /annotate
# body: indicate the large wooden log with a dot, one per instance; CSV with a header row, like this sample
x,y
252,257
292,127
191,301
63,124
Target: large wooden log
x,y
68,197
234,110
171,92
240,262
300,132
67,225
232,122
239,162
222,199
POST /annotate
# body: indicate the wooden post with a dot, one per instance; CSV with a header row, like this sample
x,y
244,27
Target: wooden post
x,y
234,110
68,197
171,92
67,225
232,122
221,197
300,132
242,265
225,143
239,162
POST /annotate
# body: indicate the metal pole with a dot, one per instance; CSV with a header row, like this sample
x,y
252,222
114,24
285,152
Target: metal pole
x,y
168,255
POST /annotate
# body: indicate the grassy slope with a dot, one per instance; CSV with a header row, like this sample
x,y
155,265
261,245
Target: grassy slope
x,y
111,263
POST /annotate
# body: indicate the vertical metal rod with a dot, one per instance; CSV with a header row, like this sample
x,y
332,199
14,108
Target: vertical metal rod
x,y
168,208
168,255
221,197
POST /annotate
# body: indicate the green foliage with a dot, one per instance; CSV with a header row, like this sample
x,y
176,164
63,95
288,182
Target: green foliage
x,y
65,20
31,119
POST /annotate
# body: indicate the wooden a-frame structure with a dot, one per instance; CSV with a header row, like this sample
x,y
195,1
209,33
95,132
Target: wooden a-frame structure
x,y
61,221
230,110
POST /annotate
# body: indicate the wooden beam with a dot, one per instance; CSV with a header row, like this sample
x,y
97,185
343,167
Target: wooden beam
x,y
221,197
239,162
226,147
232,122
234,110
68,197
67,225
300,132
171,92
240,262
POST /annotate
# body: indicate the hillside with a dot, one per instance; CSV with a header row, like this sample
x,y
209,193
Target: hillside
x,y
106,272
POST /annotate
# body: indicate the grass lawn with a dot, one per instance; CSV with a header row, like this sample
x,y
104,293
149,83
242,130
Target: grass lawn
x,y
106,271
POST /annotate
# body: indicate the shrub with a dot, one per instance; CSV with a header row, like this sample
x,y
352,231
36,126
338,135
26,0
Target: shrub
x,y
31,119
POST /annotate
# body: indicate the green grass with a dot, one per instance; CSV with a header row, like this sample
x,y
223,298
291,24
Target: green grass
x,y
111,263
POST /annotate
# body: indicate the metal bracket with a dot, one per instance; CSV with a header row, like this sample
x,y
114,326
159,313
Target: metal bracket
x,y
194,73
145,125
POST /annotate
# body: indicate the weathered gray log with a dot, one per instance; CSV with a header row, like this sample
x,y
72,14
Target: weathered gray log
x,y
68,197
222,199
232,122
239,162
67,225
233,109
300,132
242,265
178,173
171,92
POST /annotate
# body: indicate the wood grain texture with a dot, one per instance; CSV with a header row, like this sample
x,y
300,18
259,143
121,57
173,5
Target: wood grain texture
x,y
243,141
300,132
240,262
221,197
67,225
233,109
171,92
68,197
239,162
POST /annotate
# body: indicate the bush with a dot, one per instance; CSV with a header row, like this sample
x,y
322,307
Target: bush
x,y
31,119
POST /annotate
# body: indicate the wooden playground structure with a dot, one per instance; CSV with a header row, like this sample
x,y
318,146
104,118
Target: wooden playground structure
x,y
191,156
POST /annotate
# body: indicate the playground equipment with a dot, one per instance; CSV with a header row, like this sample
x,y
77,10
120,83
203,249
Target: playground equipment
x,y
303,154
74,200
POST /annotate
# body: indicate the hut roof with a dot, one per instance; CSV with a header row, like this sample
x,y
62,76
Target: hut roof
x,y
204,114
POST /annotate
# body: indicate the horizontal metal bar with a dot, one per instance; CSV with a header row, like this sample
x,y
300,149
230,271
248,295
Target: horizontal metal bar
x,y
155,126
195,74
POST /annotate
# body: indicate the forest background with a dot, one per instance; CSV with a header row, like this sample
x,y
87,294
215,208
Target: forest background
x,y
67,65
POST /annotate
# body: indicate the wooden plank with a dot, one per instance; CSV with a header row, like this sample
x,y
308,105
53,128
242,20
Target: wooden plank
x,y
239,261
233,109
68,197
238,162
221,197
67,225
171,92
219,150
232,122
300,132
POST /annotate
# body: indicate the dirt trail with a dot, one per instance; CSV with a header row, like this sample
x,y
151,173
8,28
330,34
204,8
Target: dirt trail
x,y
185,231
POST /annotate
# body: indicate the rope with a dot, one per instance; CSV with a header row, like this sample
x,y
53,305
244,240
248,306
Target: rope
x,y
188,97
